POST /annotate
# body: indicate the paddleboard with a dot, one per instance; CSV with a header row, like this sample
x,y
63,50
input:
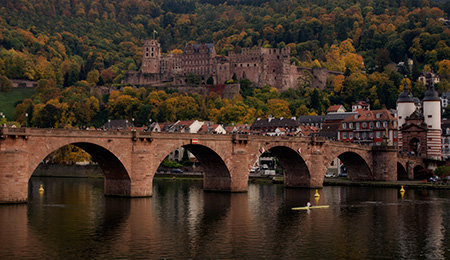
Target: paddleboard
x,y
312,207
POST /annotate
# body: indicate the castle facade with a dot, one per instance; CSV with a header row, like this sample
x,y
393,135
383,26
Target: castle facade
x,y
261,66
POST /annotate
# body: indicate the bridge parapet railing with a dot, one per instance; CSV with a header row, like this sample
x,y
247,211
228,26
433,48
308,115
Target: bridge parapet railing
x,y
239,138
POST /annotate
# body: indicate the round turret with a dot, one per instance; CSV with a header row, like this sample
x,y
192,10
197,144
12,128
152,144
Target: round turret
x,y
405,105
432,109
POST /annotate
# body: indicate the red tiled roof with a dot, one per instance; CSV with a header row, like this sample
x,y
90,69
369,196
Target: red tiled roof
x,y
334,108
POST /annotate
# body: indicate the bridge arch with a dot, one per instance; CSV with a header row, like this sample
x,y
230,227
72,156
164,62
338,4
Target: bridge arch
x,y
357,166
402,173
417,171
296,171
216,173
117,178
216,176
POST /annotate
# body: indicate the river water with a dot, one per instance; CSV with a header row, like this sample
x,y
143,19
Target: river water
x,y
72,219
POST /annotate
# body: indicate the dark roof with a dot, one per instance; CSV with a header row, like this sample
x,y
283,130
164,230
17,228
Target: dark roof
x,y
329,130
311,119
405,96
338,116
275,122
431,95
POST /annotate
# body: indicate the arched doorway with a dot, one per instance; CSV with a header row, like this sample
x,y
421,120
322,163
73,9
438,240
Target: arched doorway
x,y
414,145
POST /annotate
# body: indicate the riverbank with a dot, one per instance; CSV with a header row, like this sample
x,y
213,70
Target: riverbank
x,y
93,171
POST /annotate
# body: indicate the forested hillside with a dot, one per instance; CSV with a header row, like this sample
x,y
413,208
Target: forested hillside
x,y
72,45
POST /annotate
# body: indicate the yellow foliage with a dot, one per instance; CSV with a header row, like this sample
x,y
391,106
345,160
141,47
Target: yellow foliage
x,y
338,83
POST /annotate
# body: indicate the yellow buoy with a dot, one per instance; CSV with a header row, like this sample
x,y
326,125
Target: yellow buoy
x,y
317,194
41,189
402,190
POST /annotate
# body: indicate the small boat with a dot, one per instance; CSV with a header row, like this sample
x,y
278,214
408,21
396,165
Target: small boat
x,y
312,207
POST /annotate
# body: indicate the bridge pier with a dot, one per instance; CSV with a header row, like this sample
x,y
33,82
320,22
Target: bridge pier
x,y
14,176
384,163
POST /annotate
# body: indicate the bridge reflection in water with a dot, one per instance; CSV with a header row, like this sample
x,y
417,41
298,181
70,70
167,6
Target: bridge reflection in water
x,y
72,219
129,160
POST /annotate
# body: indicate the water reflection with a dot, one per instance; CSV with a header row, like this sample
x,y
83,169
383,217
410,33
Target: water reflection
x,y
72,219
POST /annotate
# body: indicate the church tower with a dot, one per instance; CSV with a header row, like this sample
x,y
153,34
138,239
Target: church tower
x,y
432,118
405,107
151,59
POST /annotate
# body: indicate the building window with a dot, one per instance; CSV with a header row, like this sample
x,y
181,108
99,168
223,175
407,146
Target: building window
x,y
364,124
430,116
378,134
385,124
344,135
350,125
395,134
344,125
377,124
371,135
350,135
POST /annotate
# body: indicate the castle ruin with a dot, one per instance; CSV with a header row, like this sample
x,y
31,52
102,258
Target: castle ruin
x,y
262,66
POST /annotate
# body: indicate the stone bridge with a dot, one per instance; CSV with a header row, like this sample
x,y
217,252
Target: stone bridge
x,y
129,159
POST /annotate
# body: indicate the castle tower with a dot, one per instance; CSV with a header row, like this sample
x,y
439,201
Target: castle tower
x,y
405,107
432,118
151,56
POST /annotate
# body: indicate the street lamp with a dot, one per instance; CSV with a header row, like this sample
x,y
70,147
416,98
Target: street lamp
x,y
132,124
109,124
26,119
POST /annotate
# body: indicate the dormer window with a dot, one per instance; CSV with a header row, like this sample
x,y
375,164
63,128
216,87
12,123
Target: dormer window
x,y
344,125
350,125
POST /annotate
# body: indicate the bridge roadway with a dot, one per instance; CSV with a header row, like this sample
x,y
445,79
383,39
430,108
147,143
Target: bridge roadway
x,y
129,159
